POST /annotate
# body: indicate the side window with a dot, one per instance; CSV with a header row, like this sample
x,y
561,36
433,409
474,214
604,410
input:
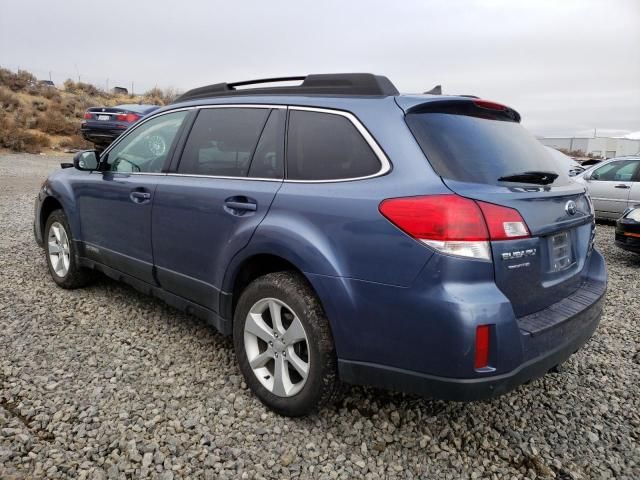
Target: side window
x,y
324,146
222,141
616,171
268,160
146,148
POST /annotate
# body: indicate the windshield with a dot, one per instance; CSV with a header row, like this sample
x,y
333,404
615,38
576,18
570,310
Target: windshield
x,y
471,149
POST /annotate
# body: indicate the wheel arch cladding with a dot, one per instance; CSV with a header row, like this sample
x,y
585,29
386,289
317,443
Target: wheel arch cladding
x,y
255,263
49,204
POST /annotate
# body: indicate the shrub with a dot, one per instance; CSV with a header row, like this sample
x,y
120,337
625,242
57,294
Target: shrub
x,y
39,105
79,87
16,81
21,140
50,93
9,101
55,123
75,142
158,96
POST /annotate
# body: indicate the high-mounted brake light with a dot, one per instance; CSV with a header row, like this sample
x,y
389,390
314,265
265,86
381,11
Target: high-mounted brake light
x,y
482,346
454,225
87,115
489,105
127,117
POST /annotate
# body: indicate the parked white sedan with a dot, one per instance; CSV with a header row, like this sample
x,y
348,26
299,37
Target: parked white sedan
x,y
613,185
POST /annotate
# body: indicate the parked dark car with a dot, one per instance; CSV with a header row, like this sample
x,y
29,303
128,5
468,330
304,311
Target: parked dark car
x,y
102,125
591,162
628,230
340,231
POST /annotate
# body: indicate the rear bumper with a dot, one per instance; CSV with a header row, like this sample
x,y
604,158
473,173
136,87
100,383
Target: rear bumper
x,y
580,328
421,339
101,136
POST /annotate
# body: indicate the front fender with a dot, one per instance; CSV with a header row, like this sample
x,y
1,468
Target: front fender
x,y
59,187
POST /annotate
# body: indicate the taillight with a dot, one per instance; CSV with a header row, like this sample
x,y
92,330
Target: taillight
x,y
87,116
482,346
454,225
127,117
504,223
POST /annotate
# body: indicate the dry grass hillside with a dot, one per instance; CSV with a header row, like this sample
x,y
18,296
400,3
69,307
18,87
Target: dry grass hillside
x,y
36,118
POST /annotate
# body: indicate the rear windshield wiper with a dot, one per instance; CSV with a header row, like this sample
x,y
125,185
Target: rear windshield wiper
x,y
539,178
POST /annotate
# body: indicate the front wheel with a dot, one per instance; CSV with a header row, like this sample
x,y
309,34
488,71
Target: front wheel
x,y
61,254
284,346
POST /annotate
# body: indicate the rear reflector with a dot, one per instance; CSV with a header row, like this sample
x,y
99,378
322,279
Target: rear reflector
x,y
454,225
482,347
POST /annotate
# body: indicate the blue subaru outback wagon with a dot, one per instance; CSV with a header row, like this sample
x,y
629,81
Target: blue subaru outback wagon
x,y
341,232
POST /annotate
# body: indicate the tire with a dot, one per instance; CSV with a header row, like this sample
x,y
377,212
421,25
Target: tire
x,y
67,274
295,298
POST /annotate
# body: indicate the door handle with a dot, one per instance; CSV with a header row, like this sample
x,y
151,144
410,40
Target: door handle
x,y
240,205
140,197
622,185
252,207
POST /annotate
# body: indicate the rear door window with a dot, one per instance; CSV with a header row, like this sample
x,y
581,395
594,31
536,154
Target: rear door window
x,y
325,146
622,171
479,150
222,141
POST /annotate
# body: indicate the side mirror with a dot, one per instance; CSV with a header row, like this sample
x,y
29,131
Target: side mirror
x,y
87,160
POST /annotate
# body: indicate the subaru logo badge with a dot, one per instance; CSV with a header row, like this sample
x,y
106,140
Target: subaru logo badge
x,y
571,207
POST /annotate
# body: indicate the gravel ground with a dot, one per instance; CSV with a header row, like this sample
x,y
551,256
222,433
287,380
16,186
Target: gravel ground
x,y
107,383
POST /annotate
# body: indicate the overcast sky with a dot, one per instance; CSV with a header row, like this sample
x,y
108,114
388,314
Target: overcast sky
x,y
567,66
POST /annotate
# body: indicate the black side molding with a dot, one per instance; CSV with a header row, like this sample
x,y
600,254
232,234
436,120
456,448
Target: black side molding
x,y
221,324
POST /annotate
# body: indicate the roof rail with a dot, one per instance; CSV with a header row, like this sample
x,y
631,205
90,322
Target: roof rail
x,y
318,84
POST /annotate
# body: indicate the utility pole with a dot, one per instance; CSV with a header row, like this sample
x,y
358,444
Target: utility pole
x,y
50,75
107,84
132,88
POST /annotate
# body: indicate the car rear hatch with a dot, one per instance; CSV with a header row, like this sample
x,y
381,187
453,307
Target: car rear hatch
x,y
482,153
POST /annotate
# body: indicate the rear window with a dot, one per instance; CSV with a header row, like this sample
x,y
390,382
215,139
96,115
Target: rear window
x,y
325,146
471,149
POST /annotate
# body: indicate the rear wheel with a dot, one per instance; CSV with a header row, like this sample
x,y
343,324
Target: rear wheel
x,y
61,253
283,344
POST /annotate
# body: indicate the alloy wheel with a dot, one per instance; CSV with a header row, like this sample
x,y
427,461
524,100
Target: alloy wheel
x,y
58,249
277,347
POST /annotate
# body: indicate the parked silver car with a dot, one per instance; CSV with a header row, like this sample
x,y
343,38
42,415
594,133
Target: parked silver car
x,y
613,185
